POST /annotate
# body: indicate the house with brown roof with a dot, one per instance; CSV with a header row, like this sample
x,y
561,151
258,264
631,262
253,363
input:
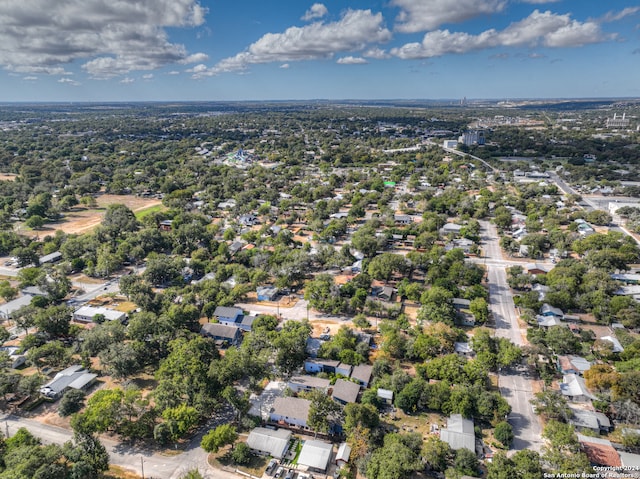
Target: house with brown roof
x,y
599,451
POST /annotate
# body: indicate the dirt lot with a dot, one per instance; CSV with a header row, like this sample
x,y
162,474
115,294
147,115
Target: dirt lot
x,y
81,220
7,177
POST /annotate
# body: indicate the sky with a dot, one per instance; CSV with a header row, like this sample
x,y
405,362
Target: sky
x,y
217,50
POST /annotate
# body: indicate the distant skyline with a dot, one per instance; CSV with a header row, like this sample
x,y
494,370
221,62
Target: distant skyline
x,y
213,50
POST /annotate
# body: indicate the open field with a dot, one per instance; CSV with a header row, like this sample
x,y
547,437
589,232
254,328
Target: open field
x,y
82,220
8,177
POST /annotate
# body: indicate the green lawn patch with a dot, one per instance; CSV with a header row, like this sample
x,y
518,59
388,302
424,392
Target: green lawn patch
x,y
140,215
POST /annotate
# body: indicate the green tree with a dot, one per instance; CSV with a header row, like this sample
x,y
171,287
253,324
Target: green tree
x,y
241,454
219,437
71,402
436,453
504,433
180,419
323,411
466,462
397,458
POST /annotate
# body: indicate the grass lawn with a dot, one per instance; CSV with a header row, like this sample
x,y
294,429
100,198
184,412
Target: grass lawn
x,y
420,423
256,466
147,211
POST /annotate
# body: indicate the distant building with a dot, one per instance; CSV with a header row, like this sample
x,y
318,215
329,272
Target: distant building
x,y
308,383
50,258
451,144
266,293
345,392
74,377
342,458
472,137
618,122
315,456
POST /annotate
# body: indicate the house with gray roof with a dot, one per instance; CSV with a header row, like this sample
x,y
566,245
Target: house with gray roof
x,y
222,333
74,377
459,433
226,314
291,411
308,383
574,388
345,392
362,373
315,455
7,309
592,420
270,442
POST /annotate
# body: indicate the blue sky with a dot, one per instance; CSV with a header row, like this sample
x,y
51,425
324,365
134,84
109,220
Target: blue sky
x,y
128,50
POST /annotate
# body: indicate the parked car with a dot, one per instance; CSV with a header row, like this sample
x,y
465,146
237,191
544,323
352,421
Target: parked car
x,y
271,466
279,472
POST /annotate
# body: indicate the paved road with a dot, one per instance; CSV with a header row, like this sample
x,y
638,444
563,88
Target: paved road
x,y
515,384
134,458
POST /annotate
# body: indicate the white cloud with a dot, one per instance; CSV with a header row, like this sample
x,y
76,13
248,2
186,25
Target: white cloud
x,y
127,80
350,60
376,53
194,58
284,66
353,32
173,72
423,15
68,81
539,28
148,76
41,36
615,16
30,78
317,10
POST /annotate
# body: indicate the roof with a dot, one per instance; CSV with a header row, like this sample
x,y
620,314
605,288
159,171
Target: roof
x,y
462,348
630,460
589,419
576,363
247,320
47,258
574,385
295,408
74,376
90,312
617,347
344,451
362,373
310,381
461,302
227,312
599,451
548,321
220,330
315,454
459,433
12,306
385,394
538,266
345,391
548,309
273,442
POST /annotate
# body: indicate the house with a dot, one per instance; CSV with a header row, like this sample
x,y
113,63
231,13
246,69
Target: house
x,y
315,456
628,278
362,373
165,225
342,457
291,411
541,289
308,383
535,269
463,349
16,359
385,395
460,243
248,220
574,388
617,347
246,322
228,315
344,369
459,433
235,247
50,258
34,291
548,310
86,314
450,228
74,377
345,392
599,451
459,303
573,365
548,321
267,293
592,420
269,442
402,219
223,334
385,293
321,366
7,309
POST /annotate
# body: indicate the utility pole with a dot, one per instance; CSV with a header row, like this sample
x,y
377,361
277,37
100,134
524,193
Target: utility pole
x,y
142,466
